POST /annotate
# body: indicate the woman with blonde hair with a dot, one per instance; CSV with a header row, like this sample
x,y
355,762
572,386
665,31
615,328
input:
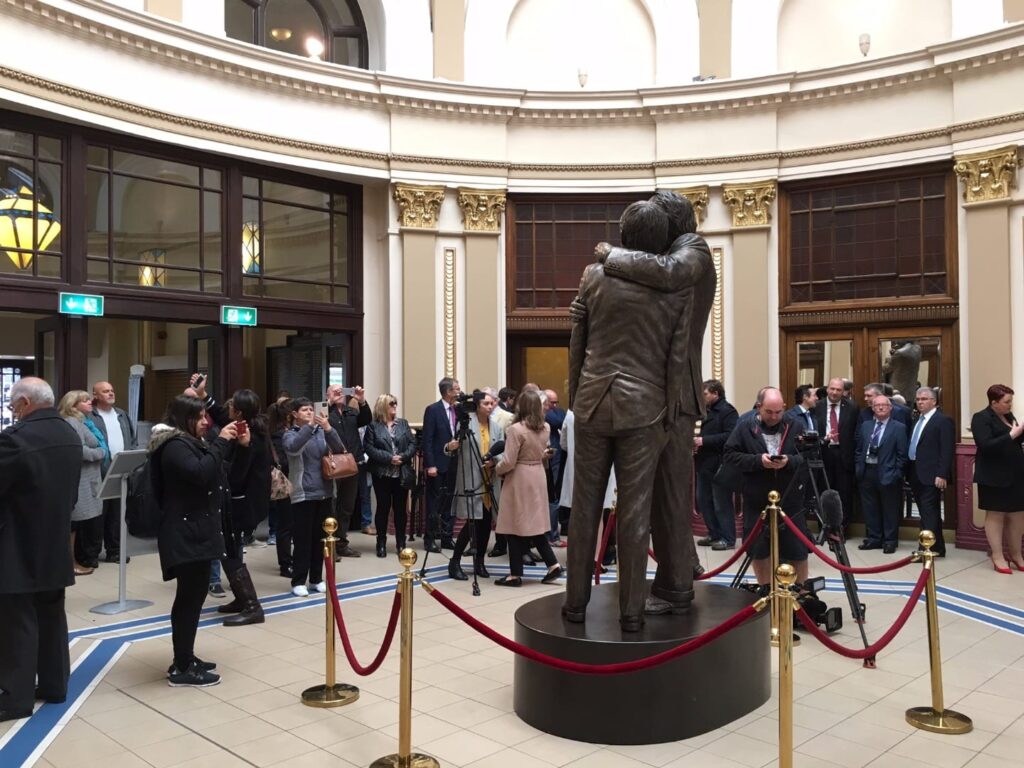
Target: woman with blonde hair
x,y
524,516
390,447
87,516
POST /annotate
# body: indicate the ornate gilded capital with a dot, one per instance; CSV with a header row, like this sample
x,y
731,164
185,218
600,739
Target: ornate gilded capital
x,y
988,175
418,207
481,209
698,197
750,203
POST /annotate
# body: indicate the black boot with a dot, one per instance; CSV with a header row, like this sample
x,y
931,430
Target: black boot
x,y
382,546
245,592
455,570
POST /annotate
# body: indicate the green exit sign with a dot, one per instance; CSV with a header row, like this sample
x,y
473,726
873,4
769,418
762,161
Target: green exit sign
x,y
81,304
238,316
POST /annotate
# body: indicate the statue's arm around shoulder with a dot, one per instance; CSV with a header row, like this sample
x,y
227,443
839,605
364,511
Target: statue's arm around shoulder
x,y
686,262
578,339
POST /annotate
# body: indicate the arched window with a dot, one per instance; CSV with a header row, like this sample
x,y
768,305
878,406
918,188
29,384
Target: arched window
x,y
332,30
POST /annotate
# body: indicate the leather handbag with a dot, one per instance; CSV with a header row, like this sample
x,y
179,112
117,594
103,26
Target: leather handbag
x,y
280,485
338,466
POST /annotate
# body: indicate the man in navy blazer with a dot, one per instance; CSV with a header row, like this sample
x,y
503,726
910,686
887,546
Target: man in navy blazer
x,y
930,462
880,457
836,420
439,429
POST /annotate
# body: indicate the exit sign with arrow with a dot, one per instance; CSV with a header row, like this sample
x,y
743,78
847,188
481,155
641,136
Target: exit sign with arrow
x,y
83,304
240,316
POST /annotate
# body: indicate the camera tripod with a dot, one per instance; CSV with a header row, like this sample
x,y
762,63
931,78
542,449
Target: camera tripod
x,y
462,479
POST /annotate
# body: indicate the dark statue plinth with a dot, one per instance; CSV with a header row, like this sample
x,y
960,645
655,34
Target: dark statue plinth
x,y
691,695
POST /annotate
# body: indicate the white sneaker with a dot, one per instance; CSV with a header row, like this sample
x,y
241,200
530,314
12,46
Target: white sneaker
x,y
320,587
300,591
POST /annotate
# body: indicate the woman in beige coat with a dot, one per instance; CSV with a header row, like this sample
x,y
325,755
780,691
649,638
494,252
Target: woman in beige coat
x,y
523,516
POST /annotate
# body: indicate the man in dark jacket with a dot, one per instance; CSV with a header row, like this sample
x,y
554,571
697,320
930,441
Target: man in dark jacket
x,y
930,462
40,464
440,425
764,449
714,501
347,421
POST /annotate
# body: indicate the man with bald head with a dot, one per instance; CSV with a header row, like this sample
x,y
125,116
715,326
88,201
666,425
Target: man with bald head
x,y
764,449
40,465
119,433
835,416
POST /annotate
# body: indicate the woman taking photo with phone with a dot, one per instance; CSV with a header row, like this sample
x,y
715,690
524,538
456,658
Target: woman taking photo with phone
x,y
310,439
190,483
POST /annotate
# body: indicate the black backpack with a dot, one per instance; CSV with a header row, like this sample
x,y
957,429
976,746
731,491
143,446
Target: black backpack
x,y
143,513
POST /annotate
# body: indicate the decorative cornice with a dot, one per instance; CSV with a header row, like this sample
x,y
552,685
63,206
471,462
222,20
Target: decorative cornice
x,y
539,321
449,312
418,206
698,197
481,209
750,203
988,175
718,318
804,318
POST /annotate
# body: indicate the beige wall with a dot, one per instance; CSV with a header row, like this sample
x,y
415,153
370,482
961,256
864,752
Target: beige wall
x,y
420,352
749,265
169,9
449,20
989,335
715,38
1013,10
481,354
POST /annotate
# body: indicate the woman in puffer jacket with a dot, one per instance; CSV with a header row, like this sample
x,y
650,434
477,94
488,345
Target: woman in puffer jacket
x,y
306,443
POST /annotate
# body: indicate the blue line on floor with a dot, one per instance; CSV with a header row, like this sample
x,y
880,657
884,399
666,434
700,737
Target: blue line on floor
x,y
990,604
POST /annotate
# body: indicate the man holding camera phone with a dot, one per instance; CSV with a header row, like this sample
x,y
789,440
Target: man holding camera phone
x,y
347,421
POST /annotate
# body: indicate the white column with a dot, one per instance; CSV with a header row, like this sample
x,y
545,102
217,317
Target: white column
x,y
972,17
755,38
205,16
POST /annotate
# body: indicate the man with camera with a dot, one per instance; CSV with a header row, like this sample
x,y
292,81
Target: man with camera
x,y
880,457
765,449
440,425
347,421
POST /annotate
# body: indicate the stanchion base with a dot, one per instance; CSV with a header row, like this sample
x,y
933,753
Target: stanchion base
x,y
109,609
946,721
416,760
337,695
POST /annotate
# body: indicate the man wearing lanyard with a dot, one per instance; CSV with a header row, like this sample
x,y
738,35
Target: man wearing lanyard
x,y
440,425
930,463
880,457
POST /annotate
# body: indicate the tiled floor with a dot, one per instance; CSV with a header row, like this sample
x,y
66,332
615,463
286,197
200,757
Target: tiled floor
x,y
844,715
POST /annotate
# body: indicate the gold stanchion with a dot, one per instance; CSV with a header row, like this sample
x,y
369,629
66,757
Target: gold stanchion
x,y
785,603
771,519
330,694
406,758
935,718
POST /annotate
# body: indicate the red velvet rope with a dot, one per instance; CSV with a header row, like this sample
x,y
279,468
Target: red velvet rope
x,y
839,566
872,650
597,669
650,554
389,633
748,541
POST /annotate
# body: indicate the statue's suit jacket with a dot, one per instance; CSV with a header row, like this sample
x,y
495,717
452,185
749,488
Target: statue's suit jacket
x,y
687,266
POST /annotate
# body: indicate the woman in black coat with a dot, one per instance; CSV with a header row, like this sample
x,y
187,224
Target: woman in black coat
x,y
190,484
278,422
999,473
389,444
249,477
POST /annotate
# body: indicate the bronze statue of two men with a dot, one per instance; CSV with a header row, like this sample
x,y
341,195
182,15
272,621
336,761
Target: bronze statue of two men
x,y
636,389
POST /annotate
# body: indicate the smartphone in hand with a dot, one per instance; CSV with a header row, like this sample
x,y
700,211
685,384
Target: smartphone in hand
x,y
776,458
321,408
241,427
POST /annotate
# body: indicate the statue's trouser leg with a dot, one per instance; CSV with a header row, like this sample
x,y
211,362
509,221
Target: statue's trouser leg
x,y
636,463
593,462
671,526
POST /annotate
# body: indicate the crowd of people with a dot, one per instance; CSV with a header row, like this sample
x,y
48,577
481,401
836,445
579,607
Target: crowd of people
x,y
498,461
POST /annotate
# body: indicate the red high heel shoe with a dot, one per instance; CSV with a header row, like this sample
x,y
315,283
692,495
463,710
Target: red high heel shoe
x,y
1004,571
1017,565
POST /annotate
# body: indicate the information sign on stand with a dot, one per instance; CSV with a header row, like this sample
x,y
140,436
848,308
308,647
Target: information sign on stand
x,y
115,486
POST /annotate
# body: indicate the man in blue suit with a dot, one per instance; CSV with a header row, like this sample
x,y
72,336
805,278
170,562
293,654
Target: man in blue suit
x,y
930,462
880,456
439,429
806,397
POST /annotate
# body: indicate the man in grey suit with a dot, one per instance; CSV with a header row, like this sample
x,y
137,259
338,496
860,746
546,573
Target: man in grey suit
x,y
633,394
